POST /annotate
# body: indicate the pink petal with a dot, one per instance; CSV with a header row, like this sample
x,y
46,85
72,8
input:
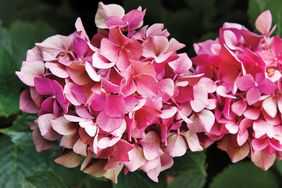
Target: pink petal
x,y
104,12
193,141
29,71
253,96
92,73
252,113
108,124
267,86
270,106
166,88
207,119
263,22
109,50
262,159
44,125
63,126
239,107
151,146
146,85
26,103
43,86
57,69
168,113
80,148
245,83
260,128
100,62
181,65
176,145
115,106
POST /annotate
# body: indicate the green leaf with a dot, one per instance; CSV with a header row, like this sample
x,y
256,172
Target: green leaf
x,y
9,85
16,163
258,6
279,166
44,179
24,35
189,171
244,175
139,180
20,133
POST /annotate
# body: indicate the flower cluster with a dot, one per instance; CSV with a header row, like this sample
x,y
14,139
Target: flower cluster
x,y
122,100
246,68
126,100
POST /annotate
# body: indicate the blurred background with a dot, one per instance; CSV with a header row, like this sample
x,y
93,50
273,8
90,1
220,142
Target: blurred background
x,y
24,22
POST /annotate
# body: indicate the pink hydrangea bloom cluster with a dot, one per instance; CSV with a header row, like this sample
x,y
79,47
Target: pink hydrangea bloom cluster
x,y
121,100
126,100
246,68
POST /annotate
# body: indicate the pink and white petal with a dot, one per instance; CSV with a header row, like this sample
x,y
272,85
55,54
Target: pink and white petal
x,y
45,128
252,113
193,141
92,73
62,126
136,159
207,119
260,128
270,106
104,12
239,107
263,22
168,113
57,69
100,62
176,145
166,88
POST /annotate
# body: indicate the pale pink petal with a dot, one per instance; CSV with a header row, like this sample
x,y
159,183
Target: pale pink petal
x,y
166,88
57,69
207,119
176,145
30,70
44,125
104,12
270,106
181,65
193,141
100,62
260,128
62,126
92,73
252,113
239,107
136,159
263,22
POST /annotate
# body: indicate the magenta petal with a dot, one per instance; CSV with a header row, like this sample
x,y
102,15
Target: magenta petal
x,y
115,106
267,86
43,86
80,47
253,96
